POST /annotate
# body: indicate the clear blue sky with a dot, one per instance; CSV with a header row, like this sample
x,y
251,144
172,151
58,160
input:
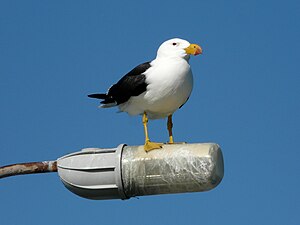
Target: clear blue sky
x,y
245,98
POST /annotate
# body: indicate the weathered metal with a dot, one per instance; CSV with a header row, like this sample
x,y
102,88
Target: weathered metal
x,y
28,168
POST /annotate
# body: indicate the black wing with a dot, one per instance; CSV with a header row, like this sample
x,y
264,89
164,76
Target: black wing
x,y
184,102
132,84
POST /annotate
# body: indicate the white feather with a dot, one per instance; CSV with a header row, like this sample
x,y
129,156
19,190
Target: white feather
x,y
170,83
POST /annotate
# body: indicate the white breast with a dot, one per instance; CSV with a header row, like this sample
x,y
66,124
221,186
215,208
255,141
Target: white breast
x,y
170,83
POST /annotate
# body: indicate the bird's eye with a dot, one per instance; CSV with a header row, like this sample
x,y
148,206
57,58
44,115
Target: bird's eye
x,y
174,43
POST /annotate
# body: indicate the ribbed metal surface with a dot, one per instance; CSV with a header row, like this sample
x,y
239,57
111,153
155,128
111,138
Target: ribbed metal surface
x,y
93,173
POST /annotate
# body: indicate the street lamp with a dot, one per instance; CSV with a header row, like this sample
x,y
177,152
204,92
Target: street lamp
x,y
129,171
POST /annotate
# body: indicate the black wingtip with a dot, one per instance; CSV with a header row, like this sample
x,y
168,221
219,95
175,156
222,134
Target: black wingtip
x,y
98,96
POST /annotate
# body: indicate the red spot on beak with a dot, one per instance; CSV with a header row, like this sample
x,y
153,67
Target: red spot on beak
x,y
198,51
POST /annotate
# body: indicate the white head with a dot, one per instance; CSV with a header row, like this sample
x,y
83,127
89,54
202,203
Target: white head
x,y
177,47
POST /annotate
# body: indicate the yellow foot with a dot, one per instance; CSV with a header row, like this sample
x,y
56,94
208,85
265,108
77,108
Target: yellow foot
x,y
152,145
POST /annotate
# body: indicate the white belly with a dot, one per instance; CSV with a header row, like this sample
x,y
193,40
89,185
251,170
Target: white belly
x,y
168,89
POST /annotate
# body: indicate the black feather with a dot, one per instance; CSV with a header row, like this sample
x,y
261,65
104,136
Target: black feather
x,y
184,102
132,84
98,96
107,99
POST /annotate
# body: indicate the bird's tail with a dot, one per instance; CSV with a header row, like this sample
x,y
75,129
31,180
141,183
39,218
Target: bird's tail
x,y
108,101
98,96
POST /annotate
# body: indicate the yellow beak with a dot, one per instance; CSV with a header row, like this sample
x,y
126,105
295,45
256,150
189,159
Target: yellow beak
x,y
193,49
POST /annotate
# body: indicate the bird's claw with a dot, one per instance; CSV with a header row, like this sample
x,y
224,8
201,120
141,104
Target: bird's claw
x,y
152,145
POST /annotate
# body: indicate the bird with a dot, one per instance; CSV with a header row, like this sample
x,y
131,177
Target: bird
x,y
155,89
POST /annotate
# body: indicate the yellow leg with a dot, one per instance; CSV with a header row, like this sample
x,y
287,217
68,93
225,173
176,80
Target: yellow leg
x,y
148,144
170,126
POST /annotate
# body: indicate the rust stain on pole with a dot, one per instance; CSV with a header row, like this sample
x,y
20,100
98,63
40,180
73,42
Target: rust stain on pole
x,y
28,168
